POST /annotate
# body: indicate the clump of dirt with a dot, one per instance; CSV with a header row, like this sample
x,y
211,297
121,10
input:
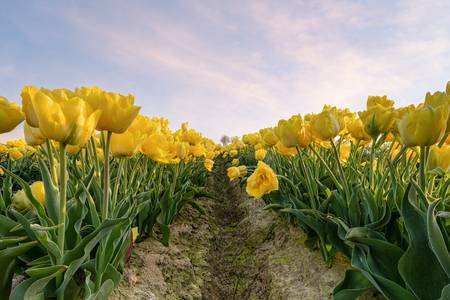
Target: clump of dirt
x,y
236,250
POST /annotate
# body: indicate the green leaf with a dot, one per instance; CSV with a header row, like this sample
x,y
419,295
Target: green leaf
x,y
353,285
437,241
429,282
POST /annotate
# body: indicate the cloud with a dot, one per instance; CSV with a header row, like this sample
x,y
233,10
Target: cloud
x,y
233,67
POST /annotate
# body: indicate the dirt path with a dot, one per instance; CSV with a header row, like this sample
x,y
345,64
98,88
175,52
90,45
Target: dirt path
x,y
236,250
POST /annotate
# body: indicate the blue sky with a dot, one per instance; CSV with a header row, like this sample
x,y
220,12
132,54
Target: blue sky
x,y
228,67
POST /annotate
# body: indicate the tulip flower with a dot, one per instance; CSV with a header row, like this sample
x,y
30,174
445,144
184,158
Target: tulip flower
x,y
235,162
33,135
268,136
28,94
262,181
10,115
236,172
379,116
128,143
439,158
425,126
69,121
260,154
288,131
356,130
117,111
326,125
15,153
208,164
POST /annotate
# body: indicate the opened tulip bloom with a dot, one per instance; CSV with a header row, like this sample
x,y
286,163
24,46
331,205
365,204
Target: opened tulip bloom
x,y
33,135
379,116
209,164
10,115
425,126
117,111
70,121
262,181
128,143
326,125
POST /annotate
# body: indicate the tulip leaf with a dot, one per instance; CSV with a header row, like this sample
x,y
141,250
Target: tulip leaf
x,y
353,285
437,241
429,282
51,193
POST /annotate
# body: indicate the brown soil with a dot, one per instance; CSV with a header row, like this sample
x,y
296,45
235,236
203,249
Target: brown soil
x,y
236,250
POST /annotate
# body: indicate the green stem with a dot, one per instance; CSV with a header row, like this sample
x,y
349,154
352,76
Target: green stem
x,y
340,169
122,162
51,161
106,182
422,165
307,179
325,165
62,208
372,156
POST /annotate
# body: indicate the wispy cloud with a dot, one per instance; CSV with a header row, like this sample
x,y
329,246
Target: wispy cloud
x,y
232,67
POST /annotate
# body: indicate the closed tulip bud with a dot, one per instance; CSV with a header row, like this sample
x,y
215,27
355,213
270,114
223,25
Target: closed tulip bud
x,y
260,154
344,151
425,126
117,111
33,135
38,191
20,201
73,149
10,115
379,116
326,125
262,181
242,171
70,121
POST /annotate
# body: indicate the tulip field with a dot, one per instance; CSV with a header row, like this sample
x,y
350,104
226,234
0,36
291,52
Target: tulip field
x,y
93,178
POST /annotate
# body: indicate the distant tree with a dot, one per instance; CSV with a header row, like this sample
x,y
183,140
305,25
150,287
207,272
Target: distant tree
x,y
225,139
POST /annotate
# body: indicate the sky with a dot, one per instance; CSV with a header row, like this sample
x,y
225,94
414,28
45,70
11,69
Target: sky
x,y
228,67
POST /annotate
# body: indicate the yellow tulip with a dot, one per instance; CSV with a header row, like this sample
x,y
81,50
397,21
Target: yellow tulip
x,y
183,151
268,136
326,125
233,153
15,153
356,130
439,158
262,181
251,139
28,94
158,147
288,131
70,121
117,111
73,149
379,116
235,162
233,173
436,100
286,151
208,164
236,172
38,191
424,126
344,151
128,143
134,234
260,154
10,115
33,135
